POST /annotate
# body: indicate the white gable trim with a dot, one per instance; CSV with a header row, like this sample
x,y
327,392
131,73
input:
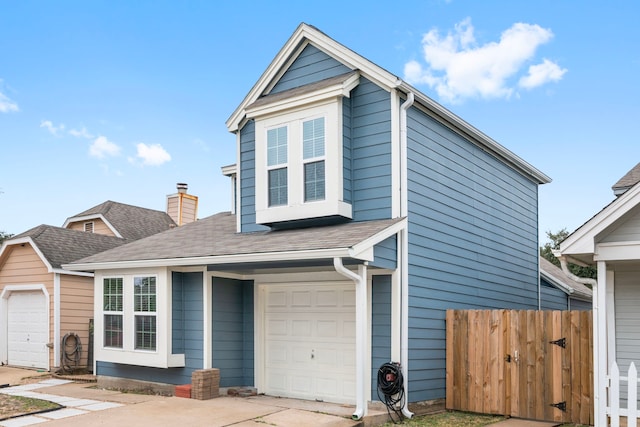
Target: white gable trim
x,y
89,218
286,55
583,240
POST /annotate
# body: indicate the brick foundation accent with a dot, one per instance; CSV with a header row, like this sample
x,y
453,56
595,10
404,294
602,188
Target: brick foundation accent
x,y
205,384
183,391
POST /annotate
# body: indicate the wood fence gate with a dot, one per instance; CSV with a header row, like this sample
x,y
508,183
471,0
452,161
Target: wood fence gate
x,y
522,364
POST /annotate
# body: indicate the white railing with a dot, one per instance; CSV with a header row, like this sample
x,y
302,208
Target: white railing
x,y
614,410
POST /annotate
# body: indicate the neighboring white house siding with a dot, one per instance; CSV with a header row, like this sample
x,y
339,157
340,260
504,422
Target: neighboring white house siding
x,y
627,301
628,231
472,242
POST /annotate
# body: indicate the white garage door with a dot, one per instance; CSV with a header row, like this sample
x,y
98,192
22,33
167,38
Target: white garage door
x,y
27,330
310,341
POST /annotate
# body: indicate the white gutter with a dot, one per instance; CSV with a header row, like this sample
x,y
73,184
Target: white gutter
x,y
403,246
599,366
361,331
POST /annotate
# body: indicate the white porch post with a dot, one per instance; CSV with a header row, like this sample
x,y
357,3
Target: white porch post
x,y
600,347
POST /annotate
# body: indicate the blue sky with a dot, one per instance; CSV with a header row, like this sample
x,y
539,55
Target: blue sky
x,y
120,100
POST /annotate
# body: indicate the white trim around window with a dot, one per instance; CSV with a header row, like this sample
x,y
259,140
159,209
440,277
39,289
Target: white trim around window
x,y
159,357
296,208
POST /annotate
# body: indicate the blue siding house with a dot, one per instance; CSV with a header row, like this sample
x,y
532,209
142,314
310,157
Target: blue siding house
x,y
363,211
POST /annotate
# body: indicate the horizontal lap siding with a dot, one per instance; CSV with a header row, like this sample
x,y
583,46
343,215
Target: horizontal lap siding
x,y
581,305
76,308
552,298
232,325
472,242
346,151
248,178
370,152
385,254
310,66
380,327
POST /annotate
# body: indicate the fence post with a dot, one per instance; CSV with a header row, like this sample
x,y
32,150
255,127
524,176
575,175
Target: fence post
x,y
632,401
615,395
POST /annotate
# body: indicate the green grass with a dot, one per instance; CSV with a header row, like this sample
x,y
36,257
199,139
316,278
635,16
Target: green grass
x,y
450,419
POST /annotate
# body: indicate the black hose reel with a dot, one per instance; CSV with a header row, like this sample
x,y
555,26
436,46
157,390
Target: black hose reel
x,y
70,353
391,389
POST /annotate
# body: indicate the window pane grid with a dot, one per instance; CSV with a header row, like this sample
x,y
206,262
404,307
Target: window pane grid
x,y
113,330
277,146
144,295
145,333
278,187
314,181
112,294
313,138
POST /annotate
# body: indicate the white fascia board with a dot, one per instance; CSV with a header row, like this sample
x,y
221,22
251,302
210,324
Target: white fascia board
x,y
214,260
72,273
360,249
617,251
229,169
89,218
475,135
335,91
562,286
28,240
582,241
326,44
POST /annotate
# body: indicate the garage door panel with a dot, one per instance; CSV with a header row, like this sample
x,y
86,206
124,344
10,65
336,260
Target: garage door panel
x,y
310,341
27,329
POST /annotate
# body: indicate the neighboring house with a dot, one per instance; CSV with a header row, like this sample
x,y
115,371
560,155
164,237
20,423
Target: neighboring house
x,y
610,240
558,291
363,211
40,302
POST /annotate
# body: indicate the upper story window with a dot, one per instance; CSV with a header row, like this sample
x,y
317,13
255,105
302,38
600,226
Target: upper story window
x,y
277,166
299,158
313,158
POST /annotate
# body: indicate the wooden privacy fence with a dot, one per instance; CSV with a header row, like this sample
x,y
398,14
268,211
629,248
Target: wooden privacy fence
x,y
522,364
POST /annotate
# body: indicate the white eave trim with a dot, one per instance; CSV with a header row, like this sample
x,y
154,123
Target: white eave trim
x,y
220,259
362,251
89,218
334,91
27,240
476,135
583,240
562,286
323,42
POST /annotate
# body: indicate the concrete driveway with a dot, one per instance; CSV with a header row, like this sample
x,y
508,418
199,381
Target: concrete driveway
x,y
87,405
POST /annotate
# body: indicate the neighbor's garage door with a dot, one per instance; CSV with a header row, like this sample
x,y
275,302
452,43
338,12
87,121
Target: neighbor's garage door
x,y
27,330
310,341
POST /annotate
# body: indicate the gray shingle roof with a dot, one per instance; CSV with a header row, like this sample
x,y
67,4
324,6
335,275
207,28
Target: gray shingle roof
x,y
132,222
216,236
630,179
61,245
579,290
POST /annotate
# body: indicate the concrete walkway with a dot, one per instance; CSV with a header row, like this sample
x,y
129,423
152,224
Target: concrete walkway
x,y
84,405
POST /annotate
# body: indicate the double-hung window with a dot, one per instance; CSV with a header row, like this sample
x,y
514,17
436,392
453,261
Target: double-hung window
x,y
144,308
113,309
277,166
299,141
313,159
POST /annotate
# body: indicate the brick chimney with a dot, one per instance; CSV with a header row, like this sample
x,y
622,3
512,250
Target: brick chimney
x,y
182,207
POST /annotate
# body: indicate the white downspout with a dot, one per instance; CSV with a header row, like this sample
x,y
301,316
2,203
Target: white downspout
x,y
403,260
599,404
360,280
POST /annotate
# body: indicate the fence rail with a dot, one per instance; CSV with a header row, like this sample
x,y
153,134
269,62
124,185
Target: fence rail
x,y
616,413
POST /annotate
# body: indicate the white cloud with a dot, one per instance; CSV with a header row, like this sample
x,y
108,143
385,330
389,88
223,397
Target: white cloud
x,y
458,68
53,130
80,133
151,155
7,105
542,73
102,148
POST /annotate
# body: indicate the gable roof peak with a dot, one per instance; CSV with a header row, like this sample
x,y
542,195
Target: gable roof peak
x,y
629,179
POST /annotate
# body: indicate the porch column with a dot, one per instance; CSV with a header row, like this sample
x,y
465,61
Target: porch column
x,y
600,363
